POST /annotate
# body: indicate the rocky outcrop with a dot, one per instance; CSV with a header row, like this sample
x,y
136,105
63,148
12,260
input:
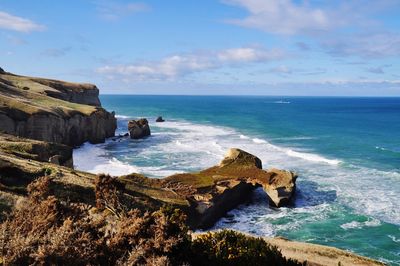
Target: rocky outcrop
x,y
240,158
280,187
160,119
139,128
214,191
53,111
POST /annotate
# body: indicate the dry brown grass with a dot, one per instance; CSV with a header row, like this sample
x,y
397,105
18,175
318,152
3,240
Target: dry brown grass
x,y
42,230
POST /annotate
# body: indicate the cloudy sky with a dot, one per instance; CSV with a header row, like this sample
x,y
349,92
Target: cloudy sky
x,y
251,47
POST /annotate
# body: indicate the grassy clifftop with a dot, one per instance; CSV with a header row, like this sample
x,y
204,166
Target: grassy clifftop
x,y
26,96
53,111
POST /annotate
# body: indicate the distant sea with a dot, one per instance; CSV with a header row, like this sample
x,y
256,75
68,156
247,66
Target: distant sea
x,y
345,150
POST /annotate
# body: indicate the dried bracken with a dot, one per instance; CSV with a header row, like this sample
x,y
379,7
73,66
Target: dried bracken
x,y
43,230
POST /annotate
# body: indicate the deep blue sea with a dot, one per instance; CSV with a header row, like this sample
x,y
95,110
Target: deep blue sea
x,y
345,150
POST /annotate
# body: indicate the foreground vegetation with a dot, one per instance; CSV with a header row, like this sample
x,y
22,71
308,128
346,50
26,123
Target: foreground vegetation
x,y
43,230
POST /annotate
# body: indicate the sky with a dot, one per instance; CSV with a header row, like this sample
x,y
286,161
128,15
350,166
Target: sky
x,y
207,47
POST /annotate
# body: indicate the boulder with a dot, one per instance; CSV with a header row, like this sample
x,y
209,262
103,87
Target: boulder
x,y
2,70
160,119
139,128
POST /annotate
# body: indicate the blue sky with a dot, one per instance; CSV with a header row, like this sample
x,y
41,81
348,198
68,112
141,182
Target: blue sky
x,y
251,47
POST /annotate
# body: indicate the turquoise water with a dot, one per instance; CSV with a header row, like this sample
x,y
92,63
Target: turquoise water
x,y
345,150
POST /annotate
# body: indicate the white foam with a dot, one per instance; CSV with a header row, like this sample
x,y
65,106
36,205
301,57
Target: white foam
x,y
243,136
396,240
94,159
312,157
114,167
122,116
282,102
257,140
359,225
259,219
294,138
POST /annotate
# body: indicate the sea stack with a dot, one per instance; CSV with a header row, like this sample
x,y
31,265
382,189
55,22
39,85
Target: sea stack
x,y
160,119
139,128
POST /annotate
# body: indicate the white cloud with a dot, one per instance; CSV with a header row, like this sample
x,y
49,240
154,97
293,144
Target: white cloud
x,y
248,55
10,22
343,28
113,10
183,64
284,16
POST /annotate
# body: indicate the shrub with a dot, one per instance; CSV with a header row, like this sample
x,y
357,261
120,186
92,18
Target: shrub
x,y
43,230
47,171
228,247
108,191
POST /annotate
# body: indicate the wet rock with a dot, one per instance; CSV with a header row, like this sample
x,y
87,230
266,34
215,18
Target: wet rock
x,y
160,119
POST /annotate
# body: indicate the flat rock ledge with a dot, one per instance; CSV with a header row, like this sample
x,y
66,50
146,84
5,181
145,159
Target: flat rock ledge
x,y
213,192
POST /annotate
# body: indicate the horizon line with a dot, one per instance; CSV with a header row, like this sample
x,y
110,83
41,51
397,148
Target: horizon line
x,y
255,95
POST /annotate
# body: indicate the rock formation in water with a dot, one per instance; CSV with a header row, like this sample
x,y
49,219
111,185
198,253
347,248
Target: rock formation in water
x,y
53,111
160,119
139,128
225,186
209,194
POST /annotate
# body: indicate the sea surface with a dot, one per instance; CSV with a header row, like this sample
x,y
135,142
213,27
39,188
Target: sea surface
x,y
345,150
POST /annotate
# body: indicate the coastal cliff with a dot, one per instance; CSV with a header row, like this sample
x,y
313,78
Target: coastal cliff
x,y
53,111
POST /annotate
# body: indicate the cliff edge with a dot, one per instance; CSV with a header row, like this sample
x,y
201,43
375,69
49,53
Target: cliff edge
x,y
54,111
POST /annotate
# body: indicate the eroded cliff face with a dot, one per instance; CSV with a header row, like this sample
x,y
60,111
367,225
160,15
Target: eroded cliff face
x,y
53,111
72,131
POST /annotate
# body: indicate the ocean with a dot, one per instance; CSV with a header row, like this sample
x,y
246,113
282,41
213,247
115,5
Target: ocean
x,y
345,150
